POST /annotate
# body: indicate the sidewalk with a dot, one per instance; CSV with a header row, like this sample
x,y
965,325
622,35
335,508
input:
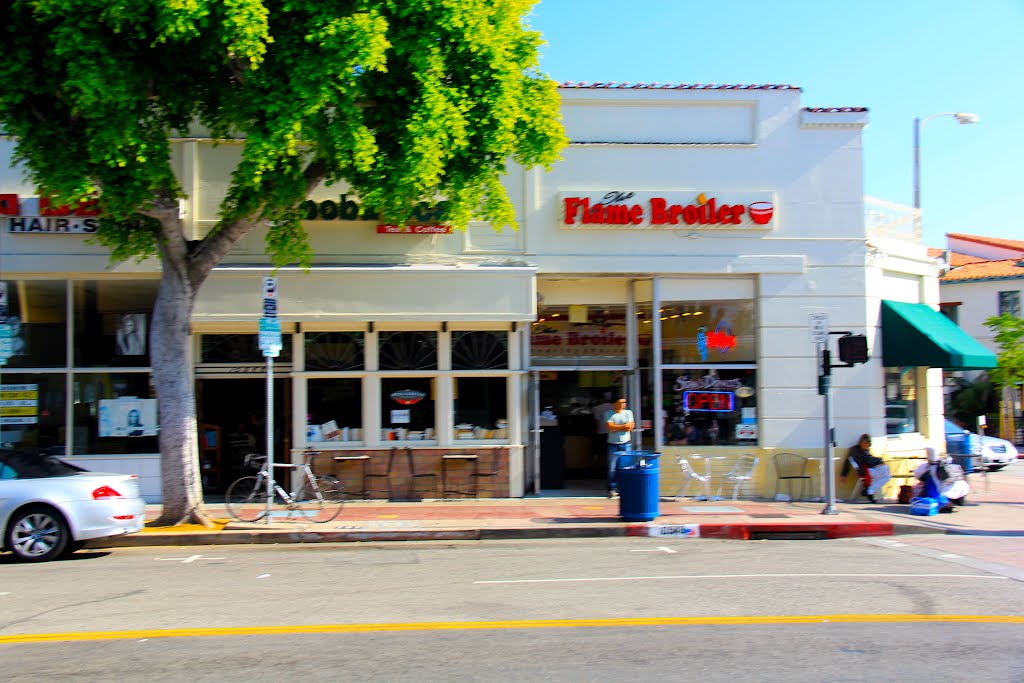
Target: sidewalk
x,y
995,512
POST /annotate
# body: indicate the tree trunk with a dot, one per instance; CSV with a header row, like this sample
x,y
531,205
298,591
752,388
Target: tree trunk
x,y
170,339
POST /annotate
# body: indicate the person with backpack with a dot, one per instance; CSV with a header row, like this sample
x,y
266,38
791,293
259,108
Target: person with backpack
x,y
942,480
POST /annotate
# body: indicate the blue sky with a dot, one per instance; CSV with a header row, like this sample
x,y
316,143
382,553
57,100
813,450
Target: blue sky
x,y
899,58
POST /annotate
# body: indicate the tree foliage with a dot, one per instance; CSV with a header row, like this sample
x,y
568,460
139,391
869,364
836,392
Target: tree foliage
x,y
1009,334
405,100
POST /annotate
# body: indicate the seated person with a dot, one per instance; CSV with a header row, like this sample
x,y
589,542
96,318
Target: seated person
x,y
942,481
860,455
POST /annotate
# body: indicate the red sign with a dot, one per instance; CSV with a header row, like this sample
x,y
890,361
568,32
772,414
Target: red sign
x,y
721,341
10,206
414,229
627,208
407,397
708,401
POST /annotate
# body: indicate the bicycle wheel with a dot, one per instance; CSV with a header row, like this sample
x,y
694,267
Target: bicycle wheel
x,y
246,499
325,506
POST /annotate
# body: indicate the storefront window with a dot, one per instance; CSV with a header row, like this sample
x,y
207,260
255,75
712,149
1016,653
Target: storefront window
x,y
32,412
335,409
710,407
408,350
580,335
407,409
479,351
37,323
900,400
481,408
115,413
239,348
112,322
705,331
334,351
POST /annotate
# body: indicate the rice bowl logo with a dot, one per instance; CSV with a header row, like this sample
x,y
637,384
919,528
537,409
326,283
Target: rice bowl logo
x,y
761,212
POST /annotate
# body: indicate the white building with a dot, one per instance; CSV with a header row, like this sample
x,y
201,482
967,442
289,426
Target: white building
x,y
708,223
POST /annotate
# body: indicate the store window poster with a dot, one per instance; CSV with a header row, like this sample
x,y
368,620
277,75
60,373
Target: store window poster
x,y
131,334
128,417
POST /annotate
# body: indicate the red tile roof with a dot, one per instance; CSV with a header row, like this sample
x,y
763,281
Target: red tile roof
x,y
986,270
956,260
990,241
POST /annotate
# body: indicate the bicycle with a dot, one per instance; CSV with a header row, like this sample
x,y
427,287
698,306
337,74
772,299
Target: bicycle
x,y
246,498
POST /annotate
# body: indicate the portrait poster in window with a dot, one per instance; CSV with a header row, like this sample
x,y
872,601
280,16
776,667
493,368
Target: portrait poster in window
x,y
128,417
131,334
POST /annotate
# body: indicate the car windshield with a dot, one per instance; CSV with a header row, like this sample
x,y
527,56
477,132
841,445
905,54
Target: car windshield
x,y
32,466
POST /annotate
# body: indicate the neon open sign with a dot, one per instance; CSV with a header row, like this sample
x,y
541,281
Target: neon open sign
x,y
708,401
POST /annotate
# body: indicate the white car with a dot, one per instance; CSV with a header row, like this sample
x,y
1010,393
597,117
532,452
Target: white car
x,y
997,453
49,507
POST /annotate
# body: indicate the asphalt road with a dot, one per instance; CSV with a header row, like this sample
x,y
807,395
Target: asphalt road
x,y
563,610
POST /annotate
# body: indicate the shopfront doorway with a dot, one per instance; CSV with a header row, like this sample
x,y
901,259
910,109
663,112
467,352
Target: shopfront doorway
x,y
232,416
573,440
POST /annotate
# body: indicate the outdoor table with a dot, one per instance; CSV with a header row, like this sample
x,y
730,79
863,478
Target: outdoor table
x,y
707,472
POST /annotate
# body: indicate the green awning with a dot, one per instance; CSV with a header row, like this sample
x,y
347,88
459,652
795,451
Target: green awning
x,y
917,335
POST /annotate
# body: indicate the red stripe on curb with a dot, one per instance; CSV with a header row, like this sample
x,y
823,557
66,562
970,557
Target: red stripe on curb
x,y
743,532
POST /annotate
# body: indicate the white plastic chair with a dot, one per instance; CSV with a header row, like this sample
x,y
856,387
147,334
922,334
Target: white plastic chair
x,y
742,471
690,475
860,485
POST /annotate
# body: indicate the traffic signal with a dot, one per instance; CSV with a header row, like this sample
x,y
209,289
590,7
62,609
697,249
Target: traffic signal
x,y
853,349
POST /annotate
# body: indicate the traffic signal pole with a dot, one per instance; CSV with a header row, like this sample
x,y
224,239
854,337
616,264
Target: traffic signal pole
x,y
852,350
828,466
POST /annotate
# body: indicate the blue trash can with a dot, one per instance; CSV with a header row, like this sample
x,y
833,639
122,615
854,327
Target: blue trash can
x,y
637,473
965,450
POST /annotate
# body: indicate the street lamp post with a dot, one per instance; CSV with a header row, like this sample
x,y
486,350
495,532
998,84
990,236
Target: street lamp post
x,y
961,117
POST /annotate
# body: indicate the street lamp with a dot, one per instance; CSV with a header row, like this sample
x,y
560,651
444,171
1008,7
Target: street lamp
x,y
962,117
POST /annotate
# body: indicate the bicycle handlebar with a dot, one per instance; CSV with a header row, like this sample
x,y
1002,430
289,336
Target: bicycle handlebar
x,y
254,459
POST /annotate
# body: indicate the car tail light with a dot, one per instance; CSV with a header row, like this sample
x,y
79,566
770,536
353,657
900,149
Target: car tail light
x,y
105,492
124,516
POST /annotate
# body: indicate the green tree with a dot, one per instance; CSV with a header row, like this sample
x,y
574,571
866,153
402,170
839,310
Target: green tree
x,y
1009,331
405,100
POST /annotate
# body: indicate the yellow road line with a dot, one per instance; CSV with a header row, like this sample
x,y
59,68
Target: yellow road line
x,y
512,624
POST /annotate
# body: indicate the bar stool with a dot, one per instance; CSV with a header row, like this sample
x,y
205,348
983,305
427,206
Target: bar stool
x,y
386,474
360,458
497,456
454,458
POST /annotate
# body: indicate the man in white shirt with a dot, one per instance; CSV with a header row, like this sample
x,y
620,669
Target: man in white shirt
x,y
620,427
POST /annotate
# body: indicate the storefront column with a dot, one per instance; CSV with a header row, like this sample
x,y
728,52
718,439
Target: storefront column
x,y
300,407
444,408
517,469
656,420
371,409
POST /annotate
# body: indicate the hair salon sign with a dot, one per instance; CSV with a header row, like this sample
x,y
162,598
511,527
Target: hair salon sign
x,y
35,215
690,210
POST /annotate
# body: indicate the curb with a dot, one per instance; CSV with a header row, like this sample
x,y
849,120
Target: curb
x,y
725,531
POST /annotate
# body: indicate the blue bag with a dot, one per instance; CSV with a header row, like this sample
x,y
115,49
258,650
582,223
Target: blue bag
x,y
925,507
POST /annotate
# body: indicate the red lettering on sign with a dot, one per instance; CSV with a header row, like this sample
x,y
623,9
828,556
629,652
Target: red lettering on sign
x,y
9,205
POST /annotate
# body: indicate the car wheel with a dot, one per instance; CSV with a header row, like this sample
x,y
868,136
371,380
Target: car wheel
x,y
996,468
37,534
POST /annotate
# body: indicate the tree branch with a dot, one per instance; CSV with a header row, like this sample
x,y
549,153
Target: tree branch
x,y
215,246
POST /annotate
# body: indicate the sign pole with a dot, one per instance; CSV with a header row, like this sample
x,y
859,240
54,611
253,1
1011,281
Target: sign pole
x,y
828,466
270,435
270,344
